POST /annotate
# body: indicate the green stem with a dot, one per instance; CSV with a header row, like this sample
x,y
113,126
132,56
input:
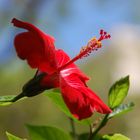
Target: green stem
x,y
90,132
101,125
73,128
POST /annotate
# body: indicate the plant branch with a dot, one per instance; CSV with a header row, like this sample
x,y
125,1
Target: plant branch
x,y
73,128
101,125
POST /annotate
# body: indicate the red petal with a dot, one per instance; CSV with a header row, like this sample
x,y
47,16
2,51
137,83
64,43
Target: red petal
x,y
81,101
62,59
35,46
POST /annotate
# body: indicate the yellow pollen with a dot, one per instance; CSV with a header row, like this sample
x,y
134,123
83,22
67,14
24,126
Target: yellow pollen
x,y
99,44
94,41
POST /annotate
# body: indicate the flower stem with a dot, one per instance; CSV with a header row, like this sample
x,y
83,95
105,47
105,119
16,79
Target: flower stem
x,y
101,125
73,128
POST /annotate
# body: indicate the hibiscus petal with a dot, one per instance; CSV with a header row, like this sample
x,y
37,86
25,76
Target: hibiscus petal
x,y
62,59
35,46
81,101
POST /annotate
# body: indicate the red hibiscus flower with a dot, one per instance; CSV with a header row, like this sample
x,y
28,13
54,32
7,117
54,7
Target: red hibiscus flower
x,y
56,70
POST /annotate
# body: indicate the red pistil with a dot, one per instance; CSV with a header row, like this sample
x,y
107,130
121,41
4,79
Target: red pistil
x,y
93,45
103,35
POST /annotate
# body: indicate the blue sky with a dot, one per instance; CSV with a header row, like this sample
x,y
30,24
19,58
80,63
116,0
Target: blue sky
x,y
80,21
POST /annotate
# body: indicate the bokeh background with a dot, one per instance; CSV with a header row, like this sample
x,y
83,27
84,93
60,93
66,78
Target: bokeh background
x,y
72,23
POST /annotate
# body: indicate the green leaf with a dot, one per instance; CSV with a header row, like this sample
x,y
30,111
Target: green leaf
x,y
47,133
12,137
85,136
56,97
124,108
5,100
118,92
115,137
